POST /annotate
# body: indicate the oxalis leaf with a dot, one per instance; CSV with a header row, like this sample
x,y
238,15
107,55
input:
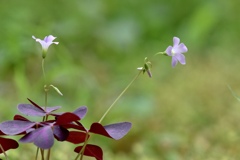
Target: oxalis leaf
x,y
41,137
15,127
8,144
91,150
115,131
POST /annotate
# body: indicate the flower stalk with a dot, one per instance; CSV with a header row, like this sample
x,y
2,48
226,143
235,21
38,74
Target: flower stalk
x,y
120,95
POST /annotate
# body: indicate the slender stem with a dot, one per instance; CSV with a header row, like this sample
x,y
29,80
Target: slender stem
x,y
83,148
42,153
110,107
37,153
44,75
119,96
46,97
48,154
45,118
45,104
4,152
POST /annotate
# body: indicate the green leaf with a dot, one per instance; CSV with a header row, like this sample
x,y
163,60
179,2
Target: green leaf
x,y
56,89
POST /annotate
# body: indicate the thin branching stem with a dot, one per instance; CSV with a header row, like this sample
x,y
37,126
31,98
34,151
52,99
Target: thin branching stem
x,y
111,106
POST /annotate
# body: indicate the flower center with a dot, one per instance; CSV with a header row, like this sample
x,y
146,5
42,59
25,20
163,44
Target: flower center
x,y
173,52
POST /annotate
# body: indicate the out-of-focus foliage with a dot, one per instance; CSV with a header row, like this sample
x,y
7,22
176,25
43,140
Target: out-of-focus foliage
x,y
181,113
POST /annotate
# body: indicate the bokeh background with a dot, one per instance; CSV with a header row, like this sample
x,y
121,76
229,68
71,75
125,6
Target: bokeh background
x,y
181,113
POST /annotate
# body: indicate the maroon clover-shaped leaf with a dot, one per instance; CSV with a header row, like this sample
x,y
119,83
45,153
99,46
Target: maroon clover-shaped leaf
x,y
41,137
76,137
7,144
66,118
91,150
77,126
15,127
1,133
20,118
115,131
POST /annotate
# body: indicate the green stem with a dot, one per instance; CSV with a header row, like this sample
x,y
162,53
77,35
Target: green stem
x,y
83,148
45,106
37,153
161,53
42,153
4,152
44,75
46,97
119,96
110,107
48,154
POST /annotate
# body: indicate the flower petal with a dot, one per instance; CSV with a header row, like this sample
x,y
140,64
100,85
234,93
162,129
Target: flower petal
x,y
49,39
183,47
176,41
180,48
169,50
174,61
181,58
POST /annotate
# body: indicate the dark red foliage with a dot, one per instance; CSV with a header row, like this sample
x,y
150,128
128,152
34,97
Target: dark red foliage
x,y
7,144
76,137
61,126
66,118
91,150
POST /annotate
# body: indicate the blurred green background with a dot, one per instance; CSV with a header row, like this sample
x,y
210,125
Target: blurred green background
x,y
182,113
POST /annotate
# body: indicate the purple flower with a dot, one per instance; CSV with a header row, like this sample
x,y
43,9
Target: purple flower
x,y
48,40
176,52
